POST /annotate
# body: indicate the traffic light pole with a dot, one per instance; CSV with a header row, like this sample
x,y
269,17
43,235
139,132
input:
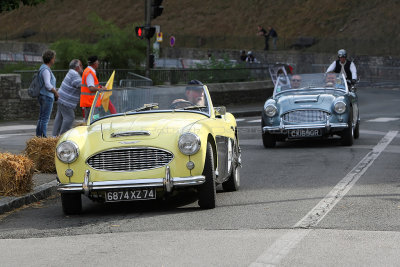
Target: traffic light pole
x,y
147,26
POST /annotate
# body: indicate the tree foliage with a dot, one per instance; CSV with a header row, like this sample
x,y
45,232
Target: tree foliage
x,y
8,5
116,47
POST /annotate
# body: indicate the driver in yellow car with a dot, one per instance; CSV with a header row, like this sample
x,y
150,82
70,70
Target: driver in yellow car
x,y
194,94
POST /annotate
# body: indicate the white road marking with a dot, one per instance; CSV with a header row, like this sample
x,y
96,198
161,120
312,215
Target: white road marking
x,y
17,127
254,121
285,244
240,119
16,134
383,119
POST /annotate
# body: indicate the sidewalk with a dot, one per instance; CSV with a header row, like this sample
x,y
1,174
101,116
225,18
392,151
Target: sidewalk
x,y
45,185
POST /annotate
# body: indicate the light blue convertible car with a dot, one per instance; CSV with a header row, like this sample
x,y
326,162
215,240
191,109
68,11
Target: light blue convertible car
x,y
315,105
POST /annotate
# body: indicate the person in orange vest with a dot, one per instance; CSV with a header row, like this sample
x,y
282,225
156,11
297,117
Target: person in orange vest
x,y
90,85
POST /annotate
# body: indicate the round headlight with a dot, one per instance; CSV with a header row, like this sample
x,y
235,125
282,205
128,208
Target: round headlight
x,y
340,107
67,151
270,110
189,143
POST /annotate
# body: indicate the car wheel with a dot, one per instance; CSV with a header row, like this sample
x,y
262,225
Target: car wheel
x,y
348,133
207,191
269,140
233,182
71,203
357,130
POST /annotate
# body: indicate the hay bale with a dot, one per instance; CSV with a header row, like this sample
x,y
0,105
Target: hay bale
x,y
42,151
16,173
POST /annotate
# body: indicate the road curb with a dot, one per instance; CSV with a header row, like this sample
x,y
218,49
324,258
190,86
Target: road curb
x,y
39,192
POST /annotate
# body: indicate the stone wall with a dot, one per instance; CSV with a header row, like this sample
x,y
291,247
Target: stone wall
x,y
368,67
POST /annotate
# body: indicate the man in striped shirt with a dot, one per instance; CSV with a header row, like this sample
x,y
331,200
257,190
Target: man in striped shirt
x,y
69,94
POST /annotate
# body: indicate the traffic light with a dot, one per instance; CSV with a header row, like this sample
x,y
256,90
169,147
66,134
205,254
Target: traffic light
x,y
140,31
156,8
150,32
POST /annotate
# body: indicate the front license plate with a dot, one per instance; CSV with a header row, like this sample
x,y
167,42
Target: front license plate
x,y
298,133
130,195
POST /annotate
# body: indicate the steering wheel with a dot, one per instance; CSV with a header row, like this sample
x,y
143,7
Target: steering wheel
x,y
181,104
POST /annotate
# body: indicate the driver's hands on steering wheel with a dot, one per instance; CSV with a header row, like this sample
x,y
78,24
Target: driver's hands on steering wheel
x,y
180,103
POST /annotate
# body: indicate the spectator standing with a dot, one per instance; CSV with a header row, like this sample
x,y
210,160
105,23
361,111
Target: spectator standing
x,y
69,94
342,65
243,55
48,93
263,32
90,85
272,33
250,57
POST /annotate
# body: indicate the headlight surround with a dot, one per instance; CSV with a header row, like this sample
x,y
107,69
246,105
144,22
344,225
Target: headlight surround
x,y
340,107
270,110
67,151
189,143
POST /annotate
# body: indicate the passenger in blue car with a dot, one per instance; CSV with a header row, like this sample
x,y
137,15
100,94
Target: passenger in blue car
x,y
296,81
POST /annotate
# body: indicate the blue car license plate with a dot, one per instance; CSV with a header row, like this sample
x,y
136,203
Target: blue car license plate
x,y
300,133
130,195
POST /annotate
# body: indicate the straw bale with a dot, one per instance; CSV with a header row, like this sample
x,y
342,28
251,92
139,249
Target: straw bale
x,y
16,173
42,152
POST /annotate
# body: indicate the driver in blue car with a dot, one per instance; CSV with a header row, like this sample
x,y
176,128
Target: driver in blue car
x,y
194,94
342,65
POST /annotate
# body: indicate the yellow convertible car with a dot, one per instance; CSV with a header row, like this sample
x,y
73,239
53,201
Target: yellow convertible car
x,y
147,143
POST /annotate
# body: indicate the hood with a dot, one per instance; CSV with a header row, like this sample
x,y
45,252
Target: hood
x,y
310,101
146,126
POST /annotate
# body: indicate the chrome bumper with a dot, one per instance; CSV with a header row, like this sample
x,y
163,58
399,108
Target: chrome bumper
x,y
167,182
282,127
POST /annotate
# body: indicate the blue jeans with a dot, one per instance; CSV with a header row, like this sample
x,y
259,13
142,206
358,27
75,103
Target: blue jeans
x,y
46,106
64,119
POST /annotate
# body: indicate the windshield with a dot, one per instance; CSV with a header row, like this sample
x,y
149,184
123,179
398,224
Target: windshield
x,y
126,101
301,82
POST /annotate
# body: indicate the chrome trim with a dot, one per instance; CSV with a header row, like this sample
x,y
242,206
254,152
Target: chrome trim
x,y
130,148
129,133
85,185
283,127
166,183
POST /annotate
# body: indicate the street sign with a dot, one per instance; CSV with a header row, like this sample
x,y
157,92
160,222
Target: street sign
x,y
172,41
159,37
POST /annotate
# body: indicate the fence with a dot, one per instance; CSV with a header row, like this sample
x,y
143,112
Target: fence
x,y
129,77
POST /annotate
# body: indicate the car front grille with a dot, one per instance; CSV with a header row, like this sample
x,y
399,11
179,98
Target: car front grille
x,y
302,116
130,159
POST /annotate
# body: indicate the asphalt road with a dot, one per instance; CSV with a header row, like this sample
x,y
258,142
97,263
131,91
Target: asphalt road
x,y
303,203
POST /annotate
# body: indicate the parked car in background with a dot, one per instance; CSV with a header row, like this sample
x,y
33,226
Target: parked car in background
x,y
308,106
153,142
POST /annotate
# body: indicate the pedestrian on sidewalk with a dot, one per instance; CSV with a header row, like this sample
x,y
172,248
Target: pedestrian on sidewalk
x,y
69,94
48,93
272,33
90,85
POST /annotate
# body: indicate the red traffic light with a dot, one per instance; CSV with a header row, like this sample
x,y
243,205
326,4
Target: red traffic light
x,y
139,31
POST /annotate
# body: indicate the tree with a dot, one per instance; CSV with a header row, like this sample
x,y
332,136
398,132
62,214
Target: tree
x,y
8,5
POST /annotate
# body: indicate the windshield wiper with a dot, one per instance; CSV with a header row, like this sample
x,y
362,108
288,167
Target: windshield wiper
x,y
192,107
144,107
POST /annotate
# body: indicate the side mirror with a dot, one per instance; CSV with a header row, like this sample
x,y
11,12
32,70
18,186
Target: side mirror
x,y
219,111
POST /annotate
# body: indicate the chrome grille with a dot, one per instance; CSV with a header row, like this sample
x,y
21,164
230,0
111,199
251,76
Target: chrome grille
x,y
130,159
301,116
